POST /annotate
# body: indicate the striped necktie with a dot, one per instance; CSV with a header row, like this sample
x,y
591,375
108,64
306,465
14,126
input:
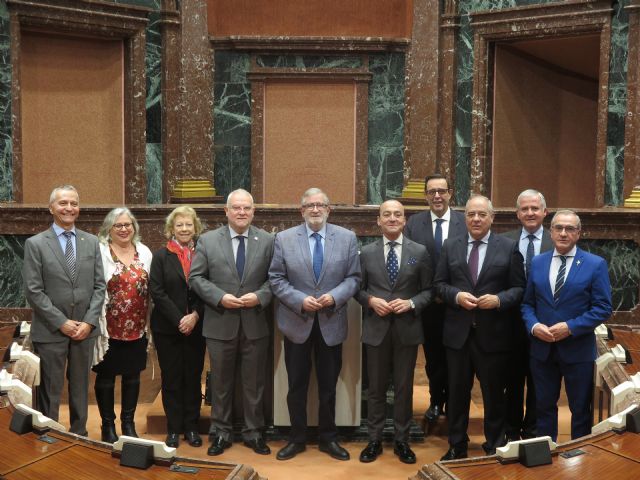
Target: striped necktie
x,y
560,277
70,254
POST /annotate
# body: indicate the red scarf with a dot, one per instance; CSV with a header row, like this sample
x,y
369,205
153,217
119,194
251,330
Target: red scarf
x,y
185,254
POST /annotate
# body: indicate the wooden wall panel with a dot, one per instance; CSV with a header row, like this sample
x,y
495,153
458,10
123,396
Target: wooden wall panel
x,y
315,18
72,116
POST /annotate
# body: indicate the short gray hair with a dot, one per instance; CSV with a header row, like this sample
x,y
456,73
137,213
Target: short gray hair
x,y
314,191
62,188
110,220
239,190
566,211
477,195
530,192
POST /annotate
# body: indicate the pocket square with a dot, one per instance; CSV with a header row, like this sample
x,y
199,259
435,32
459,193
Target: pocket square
x,y
412,261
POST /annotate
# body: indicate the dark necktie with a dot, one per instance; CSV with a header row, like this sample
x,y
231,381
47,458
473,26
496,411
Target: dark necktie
x,y
392,263
530,253
240,256
437,238
69,254
474,260
317,255
560,277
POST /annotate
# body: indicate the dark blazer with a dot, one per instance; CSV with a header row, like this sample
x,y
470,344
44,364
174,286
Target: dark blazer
x,y
172,297
420,230
413,282
214,274
584,303
502,274
545,246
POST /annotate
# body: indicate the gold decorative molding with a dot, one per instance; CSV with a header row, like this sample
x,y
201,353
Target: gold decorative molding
x,y
414,189
634,199
193,188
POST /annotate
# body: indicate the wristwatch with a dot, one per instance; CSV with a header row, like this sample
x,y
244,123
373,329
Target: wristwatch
x,y
413,305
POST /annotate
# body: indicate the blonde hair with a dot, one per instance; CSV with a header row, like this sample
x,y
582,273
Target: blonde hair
x,y
187,212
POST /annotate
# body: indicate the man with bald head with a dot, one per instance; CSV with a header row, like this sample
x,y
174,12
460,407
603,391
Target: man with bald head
x,y
480,278
395,289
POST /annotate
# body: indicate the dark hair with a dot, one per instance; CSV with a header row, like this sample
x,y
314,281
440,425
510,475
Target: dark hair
x,y
435,176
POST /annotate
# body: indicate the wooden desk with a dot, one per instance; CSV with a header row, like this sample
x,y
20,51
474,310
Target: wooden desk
x,y
25,457
607,456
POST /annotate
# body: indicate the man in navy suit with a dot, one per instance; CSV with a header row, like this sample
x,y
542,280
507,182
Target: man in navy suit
x,y
314,272
431,228
533,239
480,278
568,294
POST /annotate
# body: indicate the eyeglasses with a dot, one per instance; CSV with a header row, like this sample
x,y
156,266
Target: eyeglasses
x,y
566,228
439,191
311,206
237,209
122,226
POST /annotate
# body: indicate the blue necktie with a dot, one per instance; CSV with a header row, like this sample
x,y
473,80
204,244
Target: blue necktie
x,y
317,255
530,253
560,277
240,256
392,263
70,255
437,238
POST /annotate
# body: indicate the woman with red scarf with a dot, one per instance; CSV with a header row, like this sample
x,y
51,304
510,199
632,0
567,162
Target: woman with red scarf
x,y
176,323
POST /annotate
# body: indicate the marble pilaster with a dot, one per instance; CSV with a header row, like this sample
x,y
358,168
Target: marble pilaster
x,y
11,287
6,150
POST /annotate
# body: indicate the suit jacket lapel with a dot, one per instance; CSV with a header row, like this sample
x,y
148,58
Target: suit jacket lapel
x,y
546,243
54,245
488,256
225,241
329,243
252,243
174,261
303,243
461,252
379,262
578,260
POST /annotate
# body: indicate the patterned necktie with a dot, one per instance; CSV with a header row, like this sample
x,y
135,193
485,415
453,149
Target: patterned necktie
x,y
392,263
240,256
474,260
317,255
437,238
560,277
530,253
70,255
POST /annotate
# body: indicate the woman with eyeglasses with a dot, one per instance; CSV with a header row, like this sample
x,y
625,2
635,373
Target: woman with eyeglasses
x,y
121,348
176,323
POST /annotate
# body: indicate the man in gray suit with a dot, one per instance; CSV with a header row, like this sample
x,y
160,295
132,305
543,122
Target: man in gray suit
x,y
65,287
533,239
395,289
314,272
229,274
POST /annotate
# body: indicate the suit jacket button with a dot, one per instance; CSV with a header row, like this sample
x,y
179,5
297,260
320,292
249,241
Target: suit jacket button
x,y
73,304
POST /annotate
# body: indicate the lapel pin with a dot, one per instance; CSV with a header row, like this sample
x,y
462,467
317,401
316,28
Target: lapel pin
x,y
578,262
255,238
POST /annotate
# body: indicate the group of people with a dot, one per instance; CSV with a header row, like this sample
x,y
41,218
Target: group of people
x,y
503,308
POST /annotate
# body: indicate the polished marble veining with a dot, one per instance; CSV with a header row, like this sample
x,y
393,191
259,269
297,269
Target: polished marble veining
x,y
6,148
11,254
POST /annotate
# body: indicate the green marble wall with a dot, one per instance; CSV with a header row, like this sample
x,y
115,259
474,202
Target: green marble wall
x,y
232,117
11,254
614,169
6,149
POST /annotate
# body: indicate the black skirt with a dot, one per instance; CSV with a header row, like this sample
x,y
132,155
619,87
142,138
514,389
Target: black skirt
x,y
124,357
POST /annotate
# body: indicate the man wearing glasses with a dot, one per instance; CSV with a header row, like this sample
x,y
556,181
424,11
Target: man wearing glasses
x,y
568,295
431,228
314,272
229,274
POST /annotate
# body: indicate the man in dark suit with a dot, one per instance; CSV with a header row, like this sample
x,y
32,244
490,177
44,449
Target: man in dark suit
x,y
431,228
229,274
65,287
314,272
533,239
480,278
395,289
568,294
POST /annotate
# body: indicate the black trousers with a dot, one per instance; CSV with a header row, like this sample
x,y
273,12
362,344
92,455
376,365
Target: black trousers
x,y
435,353
520,422
181,361
328,360
463,365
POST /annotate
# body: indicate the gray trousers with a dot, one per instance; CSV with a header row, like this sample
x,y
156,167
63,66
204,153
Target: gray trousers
x,y
75,359
251,357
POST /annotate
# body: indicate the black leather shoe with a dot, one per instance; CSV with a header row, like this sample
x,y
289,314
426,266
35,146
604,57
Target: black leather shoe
x,y
433,412
371,452
334,450
290,450
454,453
193,438
172,440
218,446
404,452
258,445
